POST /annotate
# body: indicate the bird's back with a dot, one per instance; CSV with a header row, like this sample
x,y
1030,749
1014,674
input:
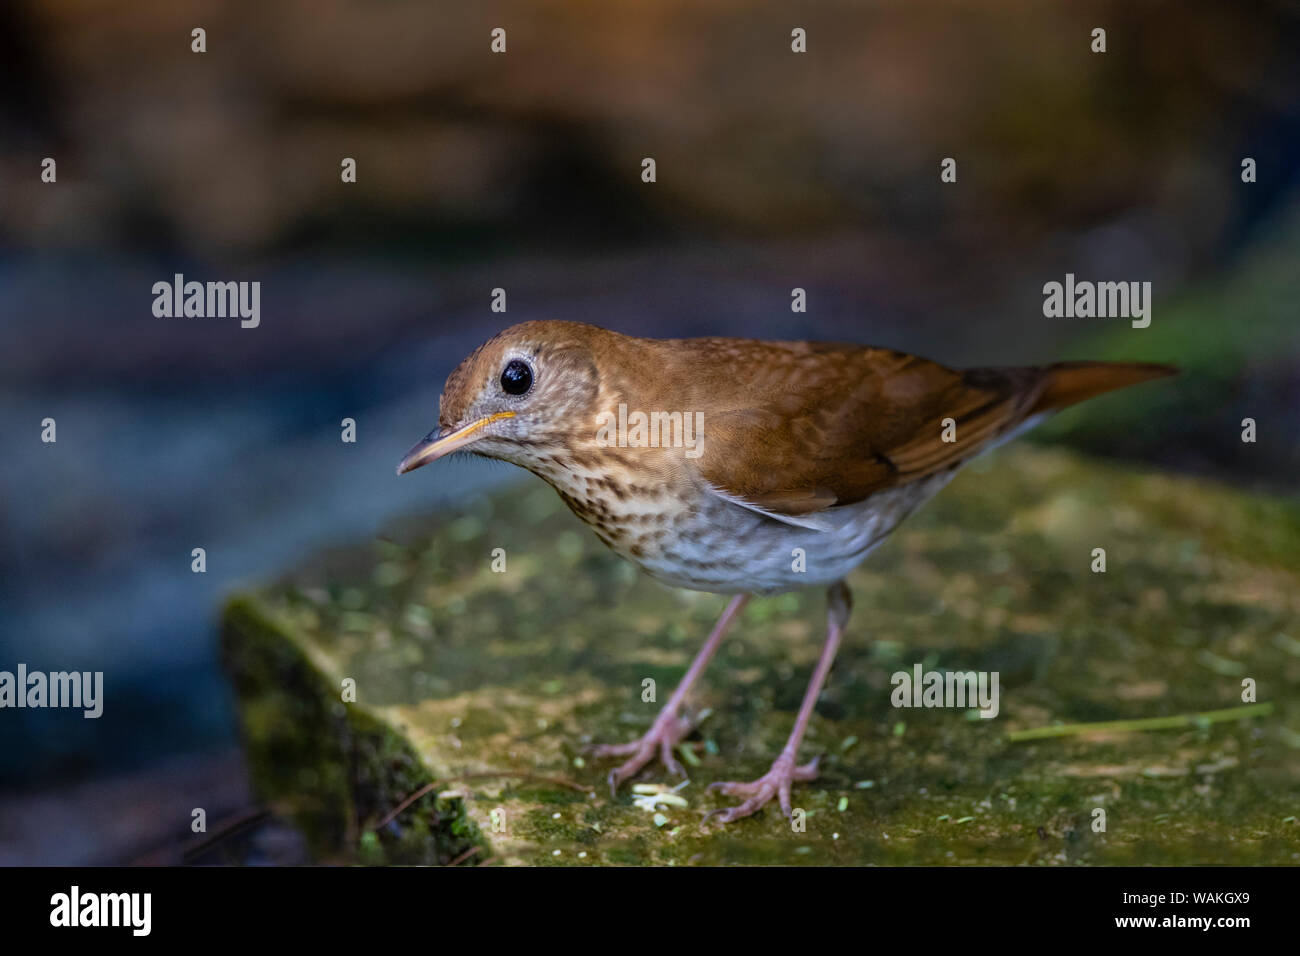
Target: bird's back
x,y
796,427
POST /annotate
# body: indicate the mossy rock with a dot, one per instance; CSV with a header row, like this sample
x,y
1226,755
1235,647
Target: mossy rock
x,y
463,672
334,768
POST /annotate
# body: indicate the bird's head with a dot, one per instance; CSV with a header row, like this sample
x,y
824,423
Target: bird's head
x,y
518,396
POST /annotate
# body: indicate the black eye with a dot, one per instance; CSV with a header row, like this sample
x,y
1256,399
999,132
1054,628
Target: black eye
x,y
517,378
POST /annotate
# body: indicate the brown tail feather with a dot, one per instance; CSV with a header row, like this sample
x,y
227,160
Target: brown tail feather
x,y
1071,382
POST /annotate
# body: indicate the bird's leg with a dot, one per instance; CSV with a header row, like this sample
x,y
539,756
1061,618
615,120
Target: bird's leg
x,y
669,728
778,780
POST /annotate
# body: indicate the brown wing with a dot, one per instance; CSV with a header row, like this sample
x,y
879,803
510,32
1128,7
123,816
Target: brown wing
x,y
833,428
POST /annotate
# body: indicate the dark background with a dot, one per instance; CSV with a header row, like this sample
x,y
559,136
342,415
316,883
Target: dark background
x,y
522,171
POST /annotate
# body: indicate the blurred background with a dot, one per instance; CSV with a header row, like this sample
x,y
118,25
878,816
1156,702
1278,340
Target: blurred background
x,y
523,171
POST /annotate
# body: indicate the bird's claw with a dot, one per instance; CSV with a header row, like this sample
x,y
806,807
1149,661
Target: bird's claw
x,y
666,733
777,782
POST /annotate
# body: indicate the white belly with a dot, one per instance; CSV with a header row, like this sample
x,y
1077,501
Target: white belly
x,y
729,549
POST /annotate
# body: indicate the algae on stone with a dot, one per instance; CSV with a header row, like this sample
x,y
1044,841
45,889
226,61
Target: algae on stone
x,y
328,765
463,672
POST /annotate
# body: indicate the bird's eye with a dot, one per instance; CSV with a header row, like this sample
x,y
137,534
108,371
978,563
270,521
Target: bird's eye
x,y
517,378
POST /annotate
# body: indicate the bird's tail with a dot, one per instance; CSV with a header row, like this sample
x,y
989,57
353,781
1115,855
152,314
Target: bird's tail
x,y
1070,382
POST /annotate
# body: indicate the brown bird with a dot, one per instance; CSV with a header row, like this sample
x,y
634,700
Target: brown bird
x,y
708,463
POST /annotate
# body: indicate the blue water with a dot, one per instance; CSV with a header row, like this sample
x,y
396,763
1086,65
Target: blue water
x,y
158,454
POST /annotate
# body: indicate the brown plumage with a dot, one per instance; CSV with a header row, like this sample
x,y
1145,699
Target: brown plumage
x,y
796,446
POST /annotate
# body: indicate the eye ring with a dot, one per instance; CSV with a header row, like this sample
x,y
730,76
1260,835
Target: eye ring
x,y
516,377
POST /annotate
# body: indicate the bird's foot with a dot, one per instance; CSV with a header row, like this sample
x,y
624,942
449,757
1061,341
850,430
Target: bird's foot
x,y
775,783
666,733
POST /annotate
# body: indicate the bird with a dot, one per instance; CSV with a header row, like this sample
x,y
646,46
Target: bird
x,y
710,462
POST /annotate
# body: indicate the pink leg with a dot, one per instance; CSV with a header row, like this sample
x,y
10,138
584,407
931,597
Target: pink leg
x,y
668,728
778,780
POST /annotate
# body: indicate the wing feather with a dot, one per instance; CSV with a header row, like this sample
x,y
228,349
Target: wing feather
x,y
810,426
848,429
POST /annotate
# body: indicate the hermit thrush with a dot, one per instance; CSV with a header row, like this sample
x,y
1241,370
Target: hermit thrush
x,y
708,462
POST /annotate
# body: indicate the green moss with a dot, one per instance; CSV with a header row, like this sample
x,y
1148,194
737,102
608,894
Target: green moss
x,y
513,673
335,768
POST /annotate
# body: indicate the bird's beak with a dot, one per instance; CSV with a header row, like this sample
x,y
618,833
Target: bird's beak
x,y
436,444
